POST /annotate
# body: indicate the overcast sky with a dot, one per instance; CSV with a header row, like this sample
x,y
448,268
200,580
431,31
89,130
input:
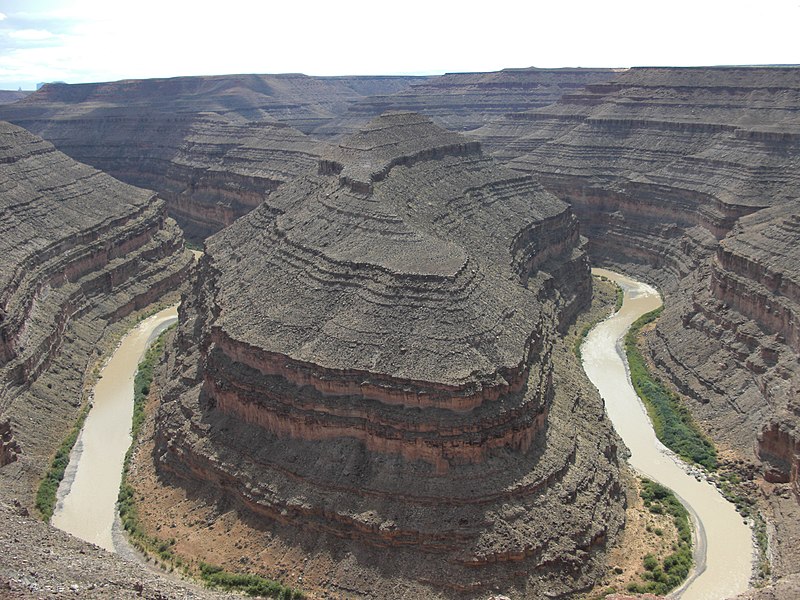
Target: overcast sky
x,y
104,40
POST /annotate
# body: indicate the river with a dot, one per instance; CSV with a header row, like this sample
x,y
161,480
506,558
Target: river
x,y
723,542
87,496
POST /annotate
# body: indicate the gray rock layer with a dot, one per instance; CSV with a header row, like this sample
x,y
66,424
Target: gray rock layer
x,y
371,361
690,177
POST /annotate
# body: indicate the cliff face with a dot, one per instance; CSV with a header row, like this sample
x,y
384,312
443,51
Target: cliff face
x,y
78,250
663,167
375,365
212,147
465,101
690,177
215,147
209,169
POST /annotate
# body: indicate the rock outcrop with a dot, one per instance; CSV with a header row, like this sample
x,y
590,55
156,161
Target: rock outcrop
x,y
663,167
690,177
78,250
9,448
371,366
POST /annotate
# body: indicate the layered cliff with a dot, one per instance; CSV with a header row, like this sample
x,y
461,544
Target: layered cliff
x,y
690,177
78,250
465,101
212,147
209,169
373,371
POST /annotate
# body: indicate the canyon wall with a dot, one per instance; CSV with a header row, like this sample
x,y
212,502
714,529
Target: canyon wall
x,y
212,147
374,370
690,177
465,101
79,250
215,147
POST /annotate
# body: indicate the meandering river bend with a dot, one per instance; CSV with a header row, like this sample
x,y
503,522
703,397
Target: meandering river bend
x,y
723,542
87,496
724,552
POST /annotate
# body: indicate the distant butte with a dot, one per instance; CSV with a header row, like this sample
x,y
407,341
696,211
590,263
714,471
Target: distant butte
x,y
375,366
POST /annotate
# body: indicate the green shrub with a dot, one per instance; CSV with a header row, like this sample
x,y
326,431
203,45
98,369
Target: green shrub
x,y
48,488
253,585
672,421
661,578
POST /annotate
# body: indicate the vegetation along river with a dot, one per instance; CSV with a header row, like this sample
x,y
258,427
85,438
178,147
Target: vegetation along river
x,y
724,548
88,494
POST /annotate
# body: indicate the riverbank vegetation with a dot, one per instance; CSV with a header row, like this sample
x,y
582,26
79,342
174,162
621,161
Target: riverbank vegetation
x,y
48,488
662,576
252,585
672,421
126,500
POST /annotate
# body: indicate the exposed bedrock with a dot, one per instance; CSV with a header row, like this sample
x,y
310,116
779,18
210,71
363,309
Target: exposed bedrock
x,y
690,177
78,250
212,147
465,101
375,366
209,169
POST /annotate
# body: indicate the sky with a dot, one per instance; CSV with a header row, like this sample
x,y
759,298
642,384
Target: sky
x,y
80,41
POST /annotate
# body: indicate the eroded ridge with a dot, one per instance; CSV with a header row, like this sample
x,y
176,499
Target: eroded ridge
x,y
376,365
78,250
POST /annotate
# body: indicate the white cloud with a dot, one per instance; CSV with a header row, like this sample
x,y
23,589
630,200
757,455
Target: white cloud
x,y
31,34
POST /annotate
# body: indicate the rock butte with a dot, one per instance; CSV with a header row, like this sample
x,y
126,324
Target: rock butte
x,y
372,367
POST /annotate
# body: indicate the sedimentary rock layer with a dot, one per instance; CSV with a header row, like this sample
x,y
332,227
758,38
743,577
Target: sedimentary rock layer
x,y
371,362
78,250
465,101
209,169
212,147
663,166
690,176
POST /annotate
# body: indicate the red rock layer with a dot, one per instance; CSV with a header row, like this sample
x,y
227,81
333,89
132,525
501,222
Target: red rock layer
x,y
779,448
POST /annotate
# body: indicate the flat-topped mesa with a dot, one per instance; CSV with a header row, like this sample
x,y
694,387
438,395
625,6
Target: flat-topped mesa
x,y
78,250
374,284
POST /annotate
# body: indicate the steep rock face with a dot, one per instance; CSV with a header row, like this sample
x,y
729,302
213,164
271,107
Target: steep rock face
x,y
209,169
9,449
663,167
465,101
78,250
374,370
690,177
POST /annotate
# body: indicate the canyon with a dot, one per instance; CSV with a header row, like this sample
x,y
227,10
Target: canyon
x,y
299,340
689,178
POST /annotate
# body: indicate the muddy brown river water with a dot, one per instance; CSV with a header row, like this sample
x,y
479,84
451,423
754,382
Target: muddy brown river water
x,y
88,494
723,542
